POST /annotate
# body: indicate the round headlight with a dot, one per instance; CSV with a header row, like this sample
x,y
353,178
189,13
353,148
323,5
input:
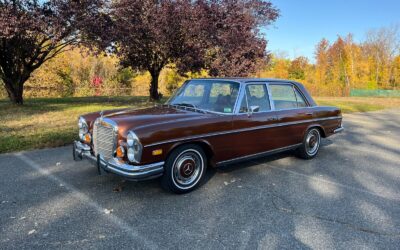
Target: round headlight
x,y
131,155
83,127
134,146
130,139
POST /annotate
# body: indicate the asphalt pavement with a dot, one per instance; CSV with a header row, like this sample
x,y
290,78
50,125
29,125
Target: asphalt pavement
x,y
346,198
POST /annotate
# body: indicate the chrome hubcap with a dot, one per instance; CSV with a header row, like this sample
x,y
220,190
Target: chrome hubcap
x,y
312,142
188,168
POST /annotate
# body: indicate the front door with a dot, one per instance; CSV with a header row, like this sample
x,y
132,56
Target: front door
x,y
254,125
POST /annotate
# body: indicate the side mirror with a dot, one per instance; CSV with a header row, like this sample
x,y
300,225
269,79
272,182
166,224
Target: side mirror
x,y
253,109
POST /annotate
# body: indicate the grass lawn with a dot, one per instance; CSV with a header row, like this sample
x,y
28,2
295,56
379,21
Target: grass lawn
x,y
51,122
359,104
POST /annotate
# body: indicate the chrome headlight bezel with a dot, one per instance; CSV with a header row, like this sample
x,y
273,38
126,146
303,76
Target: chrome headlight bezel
x,y
83,127
134,147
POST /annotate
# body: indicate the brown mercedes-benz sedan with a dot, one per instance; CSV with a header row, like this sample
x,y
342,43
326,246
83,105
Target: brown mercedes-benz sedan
x,y
208,122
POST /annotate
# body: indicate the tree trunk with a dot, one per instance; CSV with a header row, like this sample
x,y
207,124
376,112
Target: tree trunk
x,y
154,94
15,92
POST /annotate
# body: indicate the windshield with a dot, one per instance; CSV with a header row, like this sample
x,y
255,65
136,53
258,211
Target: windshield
x,y
209,95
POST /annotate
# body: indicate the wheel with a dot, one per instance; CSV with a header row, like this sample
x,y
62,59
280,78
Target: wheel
x,y
184,169
310,146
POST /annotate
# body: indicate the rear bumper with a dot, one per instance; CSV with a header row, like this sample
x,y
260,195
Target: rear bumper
x,y
338,130
115,166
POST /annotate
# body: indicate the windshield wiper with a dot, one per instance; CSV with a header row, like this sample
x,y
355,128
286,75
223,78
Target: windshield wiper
x,y
185,104
188,106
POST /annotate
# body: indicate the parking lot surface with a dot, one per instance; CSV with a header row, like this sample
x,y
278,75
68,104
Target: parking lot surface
x,y
347,198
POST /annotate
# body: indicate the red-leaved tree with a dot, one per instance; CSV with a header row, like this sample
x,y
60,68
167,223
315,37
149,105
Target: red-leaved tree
x,y
221,36
34,31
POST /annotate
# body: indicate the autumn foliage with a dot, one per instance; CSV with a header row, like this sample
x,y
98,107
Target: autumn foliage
x,y
344,64
148,47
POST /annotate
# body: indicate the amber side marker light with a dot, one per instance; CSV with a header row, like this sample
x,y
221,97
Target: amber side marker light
x,y
157,152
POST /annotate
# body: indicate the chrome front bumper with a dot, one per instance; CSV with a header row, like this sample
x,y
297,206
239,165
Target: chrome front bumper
x,y
131,172
338,130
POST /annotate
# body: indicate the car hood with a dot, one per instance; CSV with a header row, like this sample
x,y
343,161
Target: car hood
x,y
134,119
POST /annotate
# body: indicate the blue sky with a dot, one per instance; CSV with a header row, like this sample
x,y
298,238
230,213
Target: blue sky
x,y
303,23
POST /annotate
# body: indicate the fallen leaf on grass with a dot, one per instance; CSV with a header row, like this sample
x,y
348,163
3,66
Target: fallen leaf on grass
x,y
32,232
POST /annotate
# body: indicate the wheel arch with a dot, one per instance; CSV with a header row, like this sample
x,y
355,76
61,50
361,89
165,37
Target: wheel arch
x,y
205,145
319,127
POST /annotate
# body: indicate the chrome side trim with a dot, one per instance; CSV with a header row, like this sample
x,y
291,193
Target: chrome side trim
x,y
257,155
242,130
338,130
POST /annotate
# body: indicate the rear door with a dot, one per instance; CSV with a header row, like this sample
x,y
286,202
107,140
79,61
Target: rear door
x,y
292,110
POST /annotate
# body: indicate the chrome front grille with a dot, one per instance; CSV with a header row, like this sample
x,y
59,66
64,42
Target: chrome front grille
x,y
104,138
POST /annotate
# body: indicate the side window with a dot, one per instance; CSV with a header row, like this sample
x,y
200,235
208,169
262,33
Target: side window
x,y
301,103
283,96
257,95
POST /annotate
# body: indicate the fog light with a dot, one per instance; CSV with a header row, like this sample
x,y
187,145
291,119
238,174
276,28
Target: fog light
x,y
120,152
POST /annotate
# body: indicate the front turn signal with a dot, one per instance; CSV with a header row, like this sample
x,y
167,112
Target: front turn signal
x,y
120,152
88,138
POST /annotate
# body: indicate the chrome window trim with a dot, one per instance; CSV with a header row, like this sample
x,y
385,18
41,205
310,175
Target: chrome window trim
x,y
244,95
272,106
237,103
271,101
241,130
242,92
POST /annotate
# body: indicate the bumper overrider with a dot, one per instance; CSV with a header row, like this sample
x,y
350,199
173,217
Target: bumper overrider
x,y
338,130
132,172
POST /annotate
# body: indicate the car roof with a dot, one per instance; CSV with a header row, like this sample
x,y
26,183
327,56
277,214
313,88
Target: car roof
x,y
246,79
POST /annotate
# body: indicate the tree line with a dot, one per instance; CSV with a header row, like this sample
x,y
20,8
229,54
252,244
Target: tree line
x,y
219,36
77,48
345,64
